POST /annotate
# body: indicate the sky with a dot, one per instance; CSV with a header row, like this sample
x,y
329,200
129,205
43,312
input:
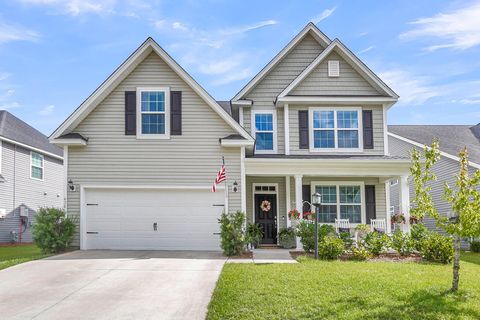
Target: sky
x,y
55,53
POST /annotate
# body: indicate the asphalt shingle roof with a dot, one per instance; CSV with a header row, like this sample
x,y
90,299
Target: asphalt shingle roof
x,y
452,138
15,129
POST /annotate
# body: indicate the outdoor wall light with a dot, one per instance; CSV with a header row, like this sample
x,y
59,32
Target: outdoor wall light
x,y
235,186
71,186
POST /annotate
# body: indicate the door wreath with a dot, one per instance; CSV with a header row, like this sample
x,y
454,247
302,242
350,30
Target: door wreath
x,y
265,206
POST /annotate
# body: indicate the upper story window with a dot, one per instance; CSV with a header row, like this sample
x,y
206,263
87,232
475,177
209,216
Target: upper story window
x,y
36,166
335,129
264,125
153,115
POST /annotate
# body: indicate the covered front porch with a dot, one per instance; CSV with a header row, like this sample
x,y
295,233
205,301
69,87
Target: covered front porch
x,y
357,191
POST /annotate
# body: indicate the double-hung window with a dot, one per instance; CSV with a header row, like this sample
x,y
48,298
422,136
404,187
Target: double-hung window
x,y
36,166
335,129
340,201
153,113
264,125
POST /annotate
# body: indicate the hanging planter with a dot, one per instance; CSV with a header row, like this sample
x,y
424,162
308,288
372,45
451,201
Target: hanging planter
x,y
294,214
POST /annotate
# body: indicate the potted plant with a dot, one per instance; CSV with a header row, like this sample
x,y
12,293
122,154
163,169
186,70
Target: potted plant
x,y
397,219
253,235
287,238
308,215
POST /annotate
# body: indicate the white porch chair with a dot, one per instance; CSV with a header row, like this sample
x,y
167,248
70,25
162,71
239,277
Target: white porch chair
x,y
342,224
378,224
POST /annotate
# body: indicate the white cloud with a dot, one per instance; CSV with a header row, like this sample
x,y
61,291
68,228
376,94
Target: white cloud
x,y
324,15
234,76
246,28
459,29
179,26
9,32
4,75
77,7
47,110
366,49
9,105
413,89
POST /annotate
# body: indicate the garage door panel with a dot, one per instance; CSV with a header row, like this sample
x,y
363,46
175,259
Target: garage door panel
x,y
124,218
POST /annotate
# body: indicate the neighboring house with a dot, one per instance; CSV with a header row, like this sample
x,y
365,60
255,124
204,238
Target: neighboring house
x,y
452,139
143,150
31,176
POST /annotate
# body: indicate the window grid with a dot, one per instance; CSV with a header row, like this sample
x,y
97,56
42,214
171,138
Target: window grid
x,y
36,170
153,112
347,205
336,129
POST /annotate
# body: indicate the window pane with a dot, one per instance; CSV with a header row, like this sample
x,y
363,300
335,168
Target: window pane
x,y
347,119
351,212
323,139
153,123
347,138
37,172
264,122
37,160
350,194
264,141
329,193
323,119
327,213
153,101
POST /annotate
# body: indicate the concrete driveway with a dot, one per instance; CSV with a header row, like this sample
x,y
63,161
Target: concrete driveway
x,y
111,285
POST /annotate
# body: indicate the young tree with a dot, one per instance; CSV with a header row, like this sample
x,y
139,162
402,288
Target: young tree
x,y
464,199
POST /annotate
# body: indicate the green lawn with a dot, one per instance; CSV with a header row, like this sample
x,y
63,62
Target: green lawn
x,y
346,290
12,255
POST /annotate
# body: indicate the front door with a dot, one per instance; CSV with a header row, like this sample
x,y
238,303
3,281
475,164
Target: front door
x,y
266,216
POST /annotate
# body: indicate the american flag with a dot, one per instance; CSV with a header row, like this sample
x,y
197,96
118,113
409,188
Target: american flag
x,y
221,176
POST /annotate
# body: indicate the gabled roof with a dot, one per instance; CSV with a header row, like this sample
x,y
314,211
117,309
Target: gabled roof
x,y
14,130
355,62
147,47
452,138
310,28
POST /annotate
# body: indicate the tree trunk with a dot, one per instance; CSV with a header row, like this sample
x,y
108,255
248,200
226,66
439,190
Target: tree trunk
x,y
456,263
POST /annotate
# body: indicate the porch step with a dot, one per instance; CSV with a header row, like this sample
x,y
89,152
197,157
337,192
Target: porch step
x,y
269,246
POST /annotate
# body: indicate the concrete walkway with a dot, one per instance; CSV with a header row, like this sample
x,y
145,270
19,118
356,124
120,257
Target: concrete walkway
x,y
111,285
267,256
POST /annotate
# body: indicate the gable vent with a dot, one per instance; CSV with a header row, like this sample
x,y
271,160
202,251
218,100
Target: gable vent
x,y
333,68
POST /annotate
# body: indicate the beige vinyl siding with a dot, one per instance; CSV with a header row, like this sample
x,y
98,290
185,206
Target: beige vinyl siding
x,y
266,91
113,158
19,189
350,82
281,198
380,201
378,134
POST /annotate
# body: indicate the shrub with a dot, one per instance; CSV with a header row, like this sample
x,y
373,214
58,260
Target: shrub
x,y
287,238
254,234
437,248
330,248
53,231
402,243
376,242
362,230
475,246
306,232
325,230
360,253
231,233
417,233
347,239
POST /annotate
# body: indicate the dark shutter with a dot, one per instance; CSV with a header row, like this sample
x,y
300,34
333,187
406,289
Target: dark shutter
x,y
130,113
370,203
306,197
176,113
303,129
368,129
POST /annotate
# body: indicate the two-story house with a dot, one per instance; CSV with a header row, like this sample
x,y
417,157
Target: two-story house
x,y
31,176
143,150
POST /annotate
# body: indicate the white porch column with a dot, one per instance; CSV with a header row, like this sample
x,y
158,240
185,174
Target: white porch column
x,y
387,207
405,200
298,201
287,129
287,199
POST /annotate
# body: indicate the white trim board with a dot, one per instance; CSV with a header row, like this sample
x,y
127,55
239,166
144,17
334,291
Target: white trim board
x,y
309,28
123,71
350,58
442,153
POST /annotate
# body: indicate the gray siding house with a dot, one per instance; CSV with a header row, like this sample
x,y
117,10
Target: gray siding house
x,y
452,139
143,150
31,176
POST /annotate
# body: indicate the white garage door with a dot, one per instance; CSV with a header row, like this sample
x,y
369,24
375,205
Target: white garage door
x,y
152,219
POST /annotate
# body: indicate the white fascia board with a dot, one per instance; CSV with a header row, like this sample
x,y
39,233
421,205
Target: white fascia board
x,y
69,142
243,103
442,153
346,53
26,146
235,143
146,48
310,27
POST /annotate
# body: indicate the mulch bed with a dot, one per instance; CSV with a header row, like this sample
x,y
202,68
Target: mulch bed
x,y
386,257
245,255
